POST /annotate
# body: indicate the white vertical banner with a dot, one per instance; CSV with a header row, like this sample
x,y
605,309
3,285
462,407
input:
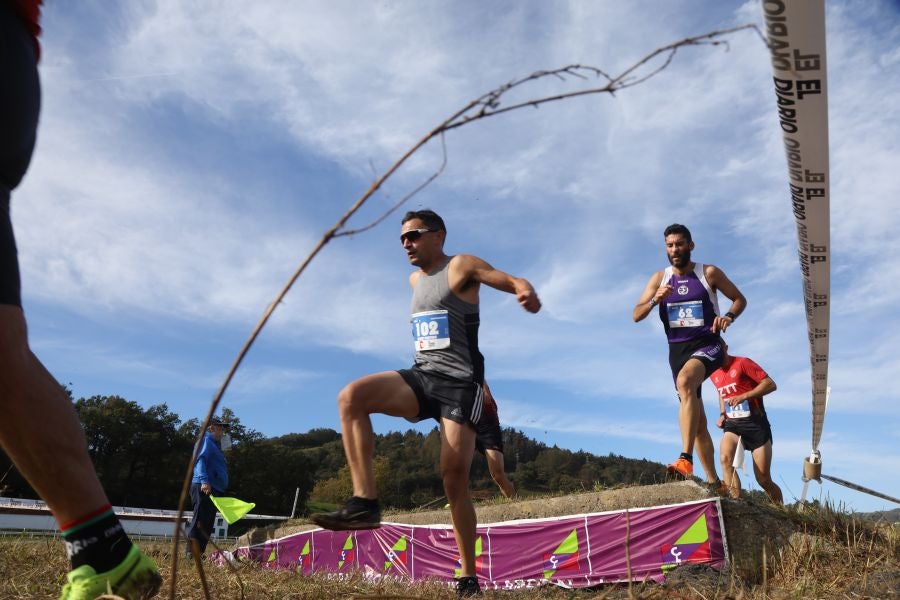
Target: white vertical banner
x,y
796,34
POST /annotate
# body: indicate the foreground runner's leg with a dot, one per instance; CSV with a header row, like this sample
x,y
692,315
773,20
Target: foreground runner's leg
x,y
39,428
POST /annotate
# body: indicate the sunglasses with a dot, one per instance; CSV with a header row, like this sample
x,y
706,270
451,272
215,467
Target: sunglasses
x,y
414,234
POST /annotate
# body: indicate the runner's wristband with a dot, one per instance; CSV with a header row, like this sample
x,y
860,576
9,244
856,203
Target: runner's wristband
x,y
652,302
731,315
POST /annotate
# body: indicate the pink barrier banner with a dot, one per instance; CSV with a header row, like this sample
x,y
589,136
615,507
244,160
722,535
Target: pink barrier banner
x,y
572,551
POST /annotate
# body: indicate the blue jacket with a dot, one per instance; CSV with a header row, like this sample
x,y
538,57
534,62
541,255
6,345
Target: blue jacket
x,y
210,466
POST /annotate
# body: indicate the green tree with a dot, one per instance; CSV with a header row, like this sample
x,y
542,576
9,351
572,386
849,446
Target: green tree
x,y
340,487
269,474
334,489
136,453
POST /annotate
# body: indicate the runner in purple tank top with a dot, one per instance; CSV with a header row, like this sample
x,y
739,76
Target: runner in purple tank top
x,y
685,294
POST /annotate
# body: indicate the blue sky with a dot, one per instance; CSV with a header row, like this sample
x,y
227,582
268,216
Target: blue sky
x,y
191,154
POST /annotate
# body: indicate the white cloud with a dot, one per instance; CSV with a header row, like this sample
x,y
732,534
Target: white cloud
x,y
516,414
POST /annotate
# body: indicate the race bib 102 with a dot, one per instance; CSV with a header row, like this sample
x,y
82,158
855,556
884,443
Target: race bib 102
x,y
431,330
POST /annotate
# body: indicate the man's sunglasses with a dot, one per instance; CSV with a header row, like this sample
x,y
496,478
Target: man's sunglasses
x,y
414,234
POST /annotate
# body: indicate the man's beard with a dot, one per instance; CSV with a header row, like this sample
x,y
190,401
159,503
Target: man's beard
x,y
686,257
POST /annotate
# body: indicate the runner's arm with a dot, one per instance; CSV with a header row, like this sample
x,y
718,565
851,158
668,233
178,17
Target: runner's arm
x,y
480,271
652,295
766,386
721,283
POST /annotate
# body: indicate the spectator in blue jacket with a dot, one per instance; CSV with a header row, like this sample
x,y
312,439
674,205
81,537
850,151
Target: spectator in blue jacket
x,y
210,477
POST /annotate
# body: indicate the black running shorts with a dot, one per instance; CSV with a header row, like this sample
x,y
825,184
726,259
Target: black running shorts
x,y
707,350
487,433
754,431
445,397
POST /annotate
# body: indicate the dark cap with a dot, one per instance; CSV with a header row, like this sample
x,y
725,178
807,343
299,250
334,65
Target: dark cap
x,y
218,421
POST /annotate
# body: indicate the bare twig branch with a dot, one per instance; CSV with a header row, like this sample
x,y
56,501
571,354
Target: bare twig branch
x,y
485,106
490,101
403,200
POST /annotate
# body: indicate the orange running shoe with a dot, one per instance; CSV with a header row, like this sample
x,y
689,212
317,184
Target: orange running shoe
x,y
718,488
682,466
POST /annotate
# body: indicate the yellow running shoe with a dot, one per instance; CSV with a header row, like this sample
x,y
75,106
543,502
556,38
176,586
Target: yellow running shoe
x,y
136,578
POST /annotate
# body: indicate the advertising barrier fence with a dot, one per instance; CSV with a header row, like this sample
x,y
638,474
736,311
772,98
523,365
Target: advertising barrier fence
x,y
572,551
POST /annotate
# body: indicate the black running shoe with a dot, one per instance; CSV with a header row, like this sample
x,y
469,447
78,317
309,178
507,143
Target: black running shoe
x,y
467,587
356,513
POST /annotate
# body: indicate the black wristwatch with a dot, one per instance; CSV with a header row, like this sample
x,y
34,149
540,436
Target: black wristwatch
x,y
731,315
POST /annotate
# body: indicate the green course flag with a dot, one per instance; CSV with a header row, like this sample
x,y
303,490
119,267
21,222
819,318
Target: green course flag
x,y
232,508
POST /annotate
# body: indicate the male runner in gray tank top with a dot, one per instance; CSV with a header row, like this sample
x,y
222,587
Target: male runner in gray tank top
x,y
445,383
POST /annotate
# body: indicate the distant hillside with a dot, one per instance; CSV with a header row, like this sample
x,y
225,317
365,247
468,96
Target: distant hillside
x,y
882,516
142,453
408,475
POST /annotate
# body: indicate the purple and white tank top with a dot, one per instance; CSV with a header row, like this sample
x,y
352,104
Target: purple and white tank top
x,y
688,312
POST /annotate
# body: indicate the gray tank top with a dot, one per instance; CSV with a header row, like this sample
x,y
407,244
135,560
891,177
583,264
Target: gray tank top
x,y
445,328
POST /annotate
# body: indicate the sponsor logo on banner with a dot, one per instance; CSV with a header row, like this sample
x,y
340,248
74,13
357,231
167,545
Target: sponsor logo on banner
x,y
691,546
305,558
396,556
348,554
564,557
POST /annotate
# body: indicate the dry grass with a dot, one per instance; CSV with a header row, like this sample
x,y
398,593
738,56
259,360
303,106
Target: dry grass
x,y
831,555
836,555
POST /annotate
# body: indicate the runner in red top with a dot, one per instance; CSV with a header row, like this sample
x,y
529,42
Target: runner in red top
x,y
741,384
